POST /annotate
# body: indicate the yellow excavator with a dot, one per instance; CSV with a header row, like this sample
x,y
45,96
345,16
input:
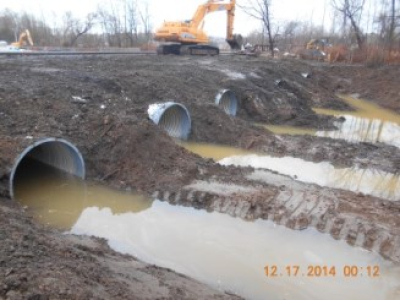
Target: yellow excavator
x,y
188,37
24,38
318,44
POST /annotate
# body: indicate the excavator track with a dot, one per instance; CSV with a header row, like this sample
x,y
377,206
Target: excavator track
x,y
201,49
178,49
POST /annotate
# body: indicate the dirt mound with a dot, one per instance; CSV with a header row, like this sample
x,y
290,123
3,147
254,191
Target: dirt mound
x,y
212,125
140,148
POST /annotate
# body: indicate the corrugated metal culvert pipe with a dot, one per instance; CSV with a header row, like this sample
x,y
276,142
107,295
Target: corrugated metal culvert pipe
x,y
227,100
173,117
54,152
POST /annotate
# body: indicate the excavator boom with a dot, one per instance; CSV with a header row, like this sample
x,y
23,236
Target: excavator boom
x,y
24,36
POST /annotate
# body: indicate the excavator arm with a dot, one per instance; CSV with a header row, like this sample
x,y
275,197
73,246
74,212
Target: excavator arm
x,y
25,35
218,5
209,7
29,37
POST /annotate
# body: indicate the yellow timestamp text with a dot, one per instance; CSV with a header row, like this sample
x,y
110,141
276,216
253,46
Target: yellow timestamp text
x,y
348,271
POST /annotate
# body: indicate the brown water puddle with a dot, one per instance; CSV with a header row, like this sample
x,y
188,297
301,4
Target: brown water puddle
x,y
216,152
364,109
369,123
292,130
368,181
58,199
225,252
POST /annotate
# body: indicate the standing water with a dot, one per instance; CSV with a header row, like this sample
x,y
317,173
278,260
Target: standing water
x,y
215,152
292,130
369,123
257,260
57,199
367,181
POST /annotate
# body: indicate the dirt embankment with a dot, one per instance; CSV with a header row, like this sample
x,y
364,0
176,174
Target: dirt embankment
x,y
120,83
118,90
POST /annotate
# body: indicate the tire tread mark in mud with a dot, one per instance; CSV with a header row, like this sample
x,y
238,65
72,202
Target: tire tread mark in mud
x,y
321,214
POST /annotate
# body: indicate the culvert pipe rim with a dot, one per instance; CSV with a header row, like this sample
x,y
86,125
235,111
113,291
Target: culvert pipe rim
x,y
227,100
56,152
173,117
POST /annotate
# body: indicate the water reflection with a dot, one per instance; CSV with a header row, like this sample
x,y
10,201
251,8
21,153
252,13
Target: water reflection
x,y
292,130
367,181
369,123
356,129
58,199
225,252
231,254
213,151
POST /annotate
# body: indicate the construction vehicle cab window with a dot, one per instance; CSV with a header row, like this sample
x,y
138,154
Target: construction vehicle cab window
x,y
188,37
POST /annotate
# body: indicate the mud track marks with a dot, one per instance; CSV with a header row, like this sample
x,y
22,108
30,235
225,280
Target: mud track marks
x,y
298,206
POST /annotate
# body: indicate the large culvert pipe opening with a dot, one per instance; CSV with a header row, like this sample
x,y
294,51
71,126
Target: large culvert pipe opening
x,y
227,100
43,157
173,117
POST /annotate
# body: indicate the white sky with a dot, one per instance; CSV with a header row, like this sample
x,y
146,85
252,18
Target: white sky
x,y
283,10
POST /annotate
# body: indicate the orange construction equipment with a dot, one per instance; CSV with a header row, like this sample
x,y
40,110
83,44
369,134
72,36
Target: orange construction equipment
x,y
188,37
24,38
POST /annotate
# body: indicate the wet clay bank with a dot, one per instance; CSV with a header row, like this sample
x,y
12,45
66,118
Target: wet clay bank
x,y
100,106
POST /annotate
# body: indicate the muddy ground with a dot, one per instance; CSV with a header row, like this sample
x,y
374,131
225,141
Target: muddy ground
x,y
122,148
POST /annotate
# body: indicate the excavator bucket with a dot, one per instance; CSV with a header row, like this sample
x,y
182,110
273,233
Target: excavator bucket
x,y
236,42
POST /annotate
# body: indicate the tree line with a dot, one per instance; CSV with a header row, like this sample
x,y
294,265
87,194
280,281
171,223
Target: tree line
x,y
362,25
356,24
123,23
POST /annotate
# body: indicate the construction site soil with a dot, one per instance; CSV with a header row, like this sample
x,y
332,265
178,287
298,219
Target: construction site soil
x,y
100,104
378,83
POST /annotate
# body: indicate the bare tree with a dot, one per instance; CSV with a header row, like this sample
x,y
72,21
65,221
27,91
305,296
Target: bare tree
x,y
119,20
289,32
392,26
146,20
132,21
75,28
112,23
261,10
9,25
352,10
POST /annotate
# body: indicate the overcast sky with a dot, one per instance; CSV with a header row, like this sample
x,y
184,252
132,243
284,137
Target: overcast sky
x,y
160,10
